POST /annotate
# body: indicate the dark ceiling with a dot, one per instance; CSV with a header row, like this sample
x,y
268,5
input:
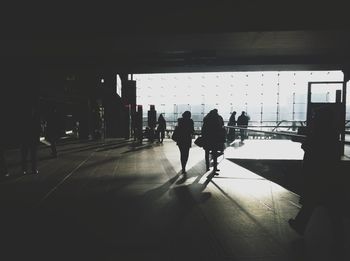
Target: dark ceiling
x,y
168,36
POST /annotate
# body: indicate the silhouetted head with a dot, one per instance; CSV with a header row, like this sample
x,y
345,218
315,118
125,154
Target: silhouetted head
x,y
234,112
161,116
243,112
186,115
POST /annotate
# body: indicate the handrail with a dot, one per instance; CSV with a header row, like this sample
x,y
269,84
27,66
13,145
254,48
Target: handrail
x,y
269,132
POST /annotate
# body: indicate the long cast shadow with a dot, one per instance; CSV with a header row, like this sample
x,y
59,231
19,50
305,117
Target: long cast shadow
x,y
139,148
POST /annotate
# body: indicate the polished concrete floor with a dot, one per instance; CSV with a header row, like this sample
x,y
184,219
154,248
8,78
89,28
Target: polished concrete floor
x,y
115,200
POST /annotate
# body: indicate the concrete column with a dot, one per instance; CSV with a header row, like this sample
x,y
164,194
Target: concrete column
x,y
346,72
129,102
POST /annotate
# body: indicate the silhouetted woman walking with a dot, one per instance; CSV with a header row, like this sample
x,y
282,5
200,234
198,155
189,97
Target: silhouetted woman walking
x,y
213,133
231,131
161,128
185,130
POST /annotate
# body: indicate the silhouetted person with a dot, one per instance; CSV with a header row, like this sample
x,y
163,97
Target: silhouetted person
x,y
320,171
242,122
231,136
161,128
184,141
97,125
30,135
76,129
53,130
213,133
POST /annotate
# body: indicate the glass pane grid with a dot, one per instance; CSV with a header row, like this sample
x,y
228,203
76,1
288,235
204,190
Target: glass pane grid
x,y
267,97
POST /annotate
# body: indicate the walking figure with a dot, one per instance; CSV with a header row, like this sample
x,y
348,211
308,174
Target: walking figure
x,y
185,129
214,135
231,136
242,122
161,128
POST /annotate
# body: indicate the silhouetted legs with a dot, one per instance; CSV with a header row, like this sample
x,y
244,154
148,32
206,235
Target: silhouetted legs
x,y
25,149
214,155
231,135
243,134
301,220
184,153
160,135
53,148
207,161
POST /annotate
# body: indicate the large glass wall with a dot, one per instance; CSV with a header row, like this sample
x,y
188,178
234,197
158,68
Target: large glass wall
x,y
267,97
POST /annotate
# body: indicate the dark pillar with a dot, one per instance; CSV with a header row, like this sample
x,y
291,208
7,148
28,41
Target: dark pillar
x,y
129,101
111,106
152,121
139,123
346,72
87,86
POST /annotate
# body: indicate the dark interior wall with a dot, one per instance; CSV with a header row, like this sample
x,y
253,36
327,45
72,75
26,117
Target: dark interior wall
x,y
113,107
70,91
81,93
20,89
24,84
113,116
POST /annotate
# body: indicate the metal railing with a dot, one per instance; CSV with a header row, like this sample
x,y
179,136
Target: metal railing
x,y
257,129
268,132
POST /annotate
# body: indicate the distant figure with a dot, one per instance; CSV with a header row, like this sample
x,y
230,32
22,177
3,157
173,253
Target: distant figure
x,y
242,122
76,129
161,128
97,125
320,171
30,138
214,134
184,141
52,130
231,136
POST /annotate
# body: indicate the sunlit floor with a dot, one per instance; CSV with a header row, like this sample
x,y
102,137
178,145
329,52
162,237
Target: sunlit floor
x,y
114,200
265,149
